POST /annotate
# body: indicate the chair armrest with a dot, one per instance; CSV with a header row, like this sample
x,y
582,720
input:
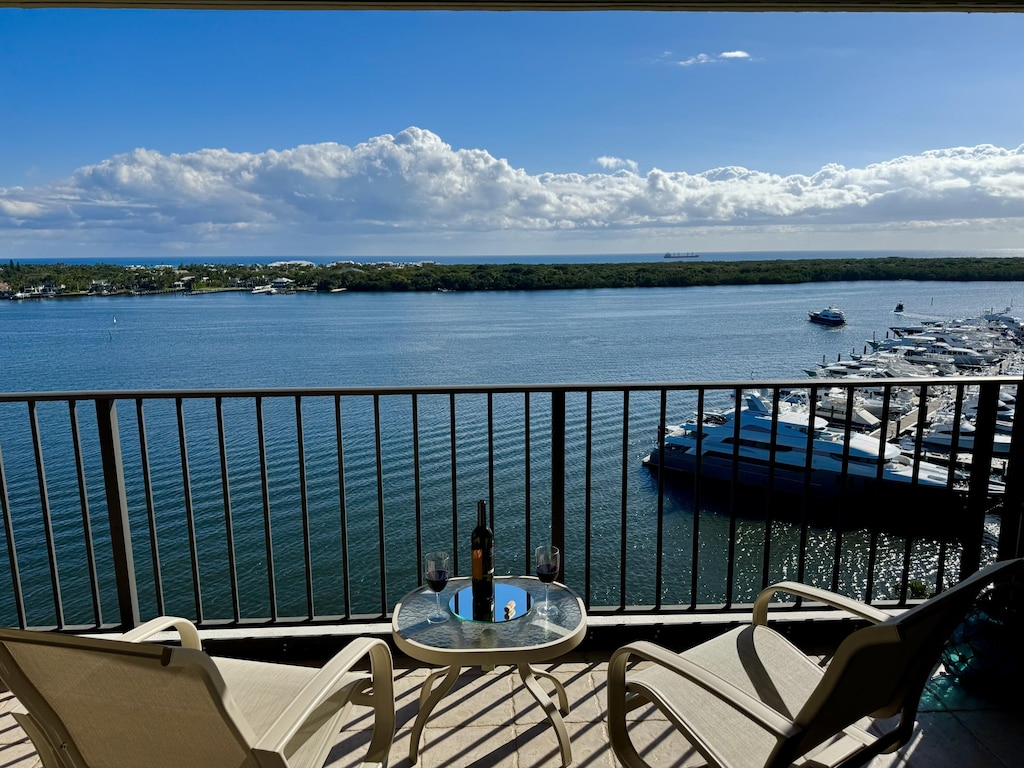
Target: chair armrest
x,y
737,698
848,604
186,629
324,684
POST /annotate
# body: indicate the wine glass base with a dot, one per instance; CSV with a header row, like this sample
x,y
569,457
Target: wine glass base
x,y
547,609
437,618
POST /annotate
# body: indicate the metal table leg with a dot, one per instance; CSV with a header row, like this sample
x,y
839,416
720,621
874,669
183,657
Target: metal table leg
x,y
554,714
429,697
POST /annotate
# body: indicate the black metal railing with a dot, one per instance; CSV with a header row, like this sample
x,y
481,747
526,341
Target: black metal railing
x,y
275,507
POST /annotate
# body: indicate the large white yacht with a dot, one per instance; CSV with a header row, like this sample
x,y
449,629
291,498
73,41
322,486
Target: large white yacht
x,y
718,450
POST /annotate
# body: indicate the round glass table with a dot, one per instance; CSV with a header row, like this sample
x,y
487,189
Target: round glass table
x,y
523,638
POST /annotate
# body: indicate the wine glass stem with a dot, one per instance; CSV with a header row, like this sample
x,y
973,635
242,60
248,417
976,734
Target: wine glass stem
x,y
545,595
437,599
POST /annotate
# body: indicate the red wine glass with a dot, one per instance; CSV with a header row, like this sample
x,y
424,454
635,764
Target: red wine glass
x,y
436,573
547,570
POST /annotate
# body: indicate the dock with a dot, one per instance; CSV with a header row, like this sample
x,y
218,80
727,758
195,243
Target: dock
x,y
909,421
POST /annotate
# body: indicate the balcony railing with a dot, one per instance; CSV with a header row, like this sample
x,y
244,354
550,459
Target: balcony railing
x,y
309,506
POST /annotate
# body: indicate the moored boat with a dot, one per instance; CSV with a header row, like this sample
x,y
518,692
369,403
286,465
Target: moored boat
x,y
756,455
831,315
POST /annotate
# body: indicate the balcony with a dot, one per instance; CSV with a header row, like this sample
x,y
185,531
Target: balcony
x,y
490,721
284,521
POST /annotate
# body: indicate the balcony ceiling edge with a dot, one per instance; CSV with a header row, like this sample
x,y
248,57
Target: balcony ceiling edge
x,y
963,6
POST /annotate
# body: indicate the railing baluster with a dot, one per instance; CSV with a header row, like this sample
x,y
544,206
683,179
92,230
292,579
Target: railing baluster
x,y
186,478
527,506
44,506
558,474
83,499
697,497
147,485
268,539
307,552
382,547
12,550
417,508
730,562
977,495
117,513
588,522
453,458
1010,527
623,506
342,508
659,535
225,489
772,459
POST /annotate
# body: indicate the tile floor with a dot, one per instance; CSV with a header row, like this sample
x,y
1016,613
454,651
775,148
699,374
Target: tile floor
x,y
490,720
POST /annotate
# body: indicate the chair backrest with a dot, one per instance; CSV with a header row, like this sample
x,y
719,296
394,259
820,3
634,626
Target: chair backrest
x,y
125,705
881,670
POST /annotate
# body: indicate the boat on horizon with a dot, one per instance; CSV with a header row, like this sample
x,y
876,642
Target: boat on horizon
x,y
831,315
681,255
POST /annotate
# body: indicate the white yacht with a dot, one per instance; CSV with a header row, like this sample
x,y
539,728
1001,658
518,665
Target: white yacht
x,y
836,468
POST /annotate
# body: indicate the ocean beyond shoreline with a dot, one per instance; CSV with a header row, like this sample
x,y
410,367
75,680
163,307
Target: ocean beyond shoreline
x,y
579,258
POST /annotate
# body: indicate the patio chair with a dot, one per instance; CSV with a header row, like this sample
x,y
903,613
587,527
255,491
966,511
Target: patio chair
x,y
88,702
750,699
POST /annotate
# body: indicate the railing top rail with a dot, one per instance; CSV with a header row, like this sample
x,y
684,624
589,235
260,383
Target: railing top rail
x,y
447,389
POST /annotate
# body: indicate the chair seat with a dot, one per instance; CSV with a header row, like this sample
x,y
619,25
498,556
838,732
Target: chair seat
x,y
261,691
764,664
756,659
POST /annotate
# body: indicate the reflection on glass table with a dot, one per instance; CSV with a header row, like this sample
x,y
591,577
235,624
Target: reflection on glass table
x,y
510,602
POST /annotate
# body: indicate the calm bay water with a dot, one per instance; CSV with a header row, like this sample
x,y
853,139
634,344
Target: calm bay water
x,y
308,340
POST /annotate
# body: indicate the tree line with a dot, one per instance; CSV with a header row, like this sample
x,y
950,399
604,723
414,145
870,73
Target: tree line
x,y
427,276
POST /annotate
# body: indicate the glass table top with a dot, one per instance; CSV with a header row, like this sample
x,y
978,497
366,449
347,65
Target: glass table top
x,y
526,630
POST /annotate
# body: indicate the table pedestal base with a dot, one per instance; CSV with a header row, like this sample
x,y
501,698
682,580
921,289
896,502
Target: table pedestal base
x,y
430,695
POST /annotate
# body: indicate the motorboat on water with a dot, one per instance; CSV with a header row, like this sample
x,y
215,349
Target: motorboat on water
x,y
829,316
943,431
269,290
717,448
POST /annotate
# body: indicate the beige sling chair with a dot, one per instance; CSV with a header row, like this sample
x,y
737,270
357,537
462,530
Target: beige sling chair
x,y
128,704
751,699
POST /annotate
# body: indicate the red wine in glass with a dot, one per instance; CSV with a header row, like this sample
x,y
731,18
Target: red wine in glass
x,y
437,580
435,570
547,570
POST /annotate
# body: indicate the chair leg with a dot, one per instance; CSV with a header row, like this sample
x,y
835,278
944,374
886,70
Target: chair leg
x,y
618,733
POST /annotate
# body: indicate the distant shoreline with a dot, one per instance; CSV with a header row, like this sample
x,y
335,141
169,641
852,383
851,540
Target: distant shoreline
x,y
42,281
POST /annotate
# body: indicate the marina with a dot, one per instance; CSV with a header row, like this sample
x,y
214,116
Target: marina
x,y
873,442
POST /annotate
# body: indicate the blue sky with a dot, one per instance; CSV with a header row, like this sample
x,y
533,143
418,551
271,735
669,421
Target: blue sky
x,y
365,133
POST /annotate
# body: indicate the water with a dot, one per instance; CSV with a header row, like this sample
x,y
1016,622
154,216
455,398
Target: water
x,y
334,340
358,339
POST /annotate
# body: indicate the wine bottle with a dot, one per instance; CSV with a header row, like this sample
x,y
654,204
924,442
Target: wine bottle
x,y
483,566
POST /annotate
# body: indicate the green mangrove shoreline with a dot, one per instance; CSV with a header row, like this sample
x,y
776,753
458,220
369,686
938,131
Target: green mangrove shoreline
x,y
58,279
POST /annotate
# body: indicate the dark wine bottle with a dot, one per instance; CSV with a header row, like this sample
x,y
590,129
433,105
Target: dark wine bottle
x,y
483,566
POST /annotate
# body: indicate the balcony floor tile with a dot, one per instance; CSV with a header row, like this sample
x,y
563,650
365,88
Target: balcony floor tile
x,y
490,721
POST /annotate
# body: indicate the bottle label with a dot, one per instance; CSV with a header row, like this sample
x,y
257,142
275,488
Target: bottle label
x,y
478,564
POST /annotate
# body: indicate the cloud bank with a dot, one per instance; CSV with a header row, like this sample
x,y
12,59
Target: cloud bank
x,y
414,184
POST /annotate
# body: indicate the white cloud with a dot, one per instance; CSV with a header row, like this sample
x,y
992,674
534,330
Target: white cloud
x,y
416,185
711,58
613,163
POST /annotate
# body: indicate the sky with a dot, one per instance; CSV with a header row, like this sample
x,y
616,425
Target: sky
x,y
181,134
